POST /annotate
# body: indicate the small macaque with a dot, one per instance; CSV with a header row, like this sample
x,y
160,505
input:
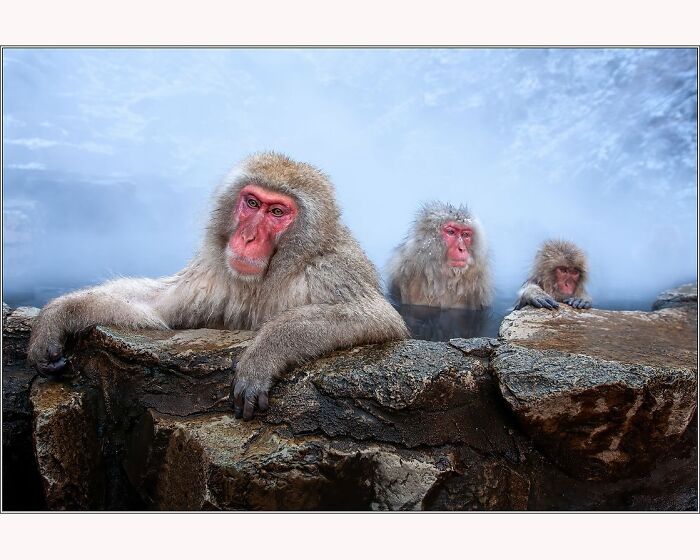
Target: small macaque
x,y
443,261
559,275
276,258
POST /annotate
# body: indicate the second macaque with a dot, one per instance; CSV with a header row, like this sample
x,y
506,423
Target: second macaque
x,y
559,275
443,261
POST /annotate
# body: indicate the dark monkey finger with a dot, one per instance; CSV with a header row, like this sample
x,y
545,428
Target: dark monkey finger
x,y
249,406
238,398
263,401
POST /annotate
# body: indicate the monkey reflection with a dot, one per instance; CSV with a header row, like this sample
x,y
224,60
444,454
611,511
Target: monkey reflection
x,y
559,274
434,323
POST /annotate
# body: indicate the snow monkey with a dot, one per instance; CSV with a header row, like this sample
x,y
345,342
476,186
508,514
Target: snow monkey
x,y
559,274
443,261
275,258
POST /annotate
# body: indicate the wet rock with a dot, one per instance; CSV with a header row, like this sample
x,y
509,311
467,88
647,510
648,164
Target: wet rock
x,y
687,294
67,447
174,372
217,462
603,394
410,393
387,414
16,329
22,487
484,485
482,347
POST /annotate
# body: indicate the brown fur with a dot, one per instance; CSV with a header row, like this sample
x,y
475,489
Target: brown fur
x,y
542,281
319,293
418,274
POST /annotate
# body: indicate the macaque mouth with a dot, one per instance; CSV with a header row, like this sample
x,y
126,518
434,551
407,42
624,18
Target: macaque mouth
x,y
458,263
246,265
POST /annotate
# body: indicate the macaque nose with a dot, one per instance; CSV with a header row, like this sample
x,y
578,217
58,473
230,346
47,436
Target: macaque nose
x,y
249,234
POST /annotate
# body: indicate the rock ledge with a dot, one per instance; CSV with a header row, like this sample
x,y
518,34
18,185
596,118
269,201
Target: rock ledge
x,y
566,410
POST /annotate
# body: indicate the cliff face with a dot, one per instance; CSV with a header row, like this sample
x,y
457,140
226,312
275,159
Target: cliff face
x,y
567,409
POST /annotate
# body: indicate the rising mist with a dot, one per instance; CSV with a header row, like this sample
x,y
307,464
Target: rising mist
x,y
110,156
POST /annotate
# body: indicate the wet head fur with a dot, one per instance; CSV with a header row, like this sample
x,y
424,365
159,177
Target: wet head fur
x,y
317,224
418,272
555,253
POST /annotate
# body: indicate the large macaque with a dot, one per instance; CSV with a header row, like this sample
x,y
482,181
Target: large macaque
x,y
275,258
558,275
443,261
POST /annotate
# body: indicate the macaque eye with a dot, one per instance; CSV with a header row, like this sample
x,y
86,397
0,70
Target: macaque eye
x,y
450,231
467,234
277,212
253,203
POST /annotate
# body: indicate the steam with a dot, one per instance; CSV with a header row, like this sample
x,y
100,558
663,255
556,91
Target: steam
x,y
111,156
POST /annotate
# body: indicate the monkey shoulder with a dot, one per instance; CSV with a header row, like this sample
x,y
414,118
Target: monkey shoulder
x,y
343,274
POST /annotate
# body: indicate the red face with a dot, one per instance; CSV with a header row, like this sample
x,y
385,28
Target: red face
x,y
262,215
567,279
458,239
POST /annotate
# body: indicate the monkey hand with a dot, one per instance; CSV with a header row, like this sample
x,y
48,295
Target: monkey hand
x,y
544,301
578,303
248,390
45,352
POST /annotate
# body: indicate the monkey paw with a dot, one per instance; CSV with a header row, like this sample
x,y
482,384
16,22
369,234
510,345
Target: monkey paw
x,y
544,301
246,392
578,303
49,360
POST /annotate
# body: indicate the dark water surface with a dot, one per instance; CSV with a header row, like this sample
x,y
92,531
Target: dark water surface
x,y
431,323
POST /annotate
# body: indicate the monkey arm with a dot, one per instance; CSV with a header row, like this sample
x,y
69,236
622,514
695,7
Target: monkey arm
x,y
125,302
533,294
304,333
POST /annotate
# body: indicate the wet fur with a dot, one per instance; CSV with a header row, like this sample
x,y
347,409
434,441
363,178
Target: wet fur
x,y
418,274
320,291
543,279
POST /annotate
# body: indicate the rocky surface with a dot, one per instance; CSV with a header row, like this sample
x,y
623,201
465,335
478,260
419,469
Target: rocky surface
x,y
66,445
376,427
22,487
16,328
602,393
677,297
568,409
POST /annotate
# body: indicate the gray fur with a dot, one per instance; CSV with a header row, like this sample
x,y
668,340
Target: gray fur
x,y
417,271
